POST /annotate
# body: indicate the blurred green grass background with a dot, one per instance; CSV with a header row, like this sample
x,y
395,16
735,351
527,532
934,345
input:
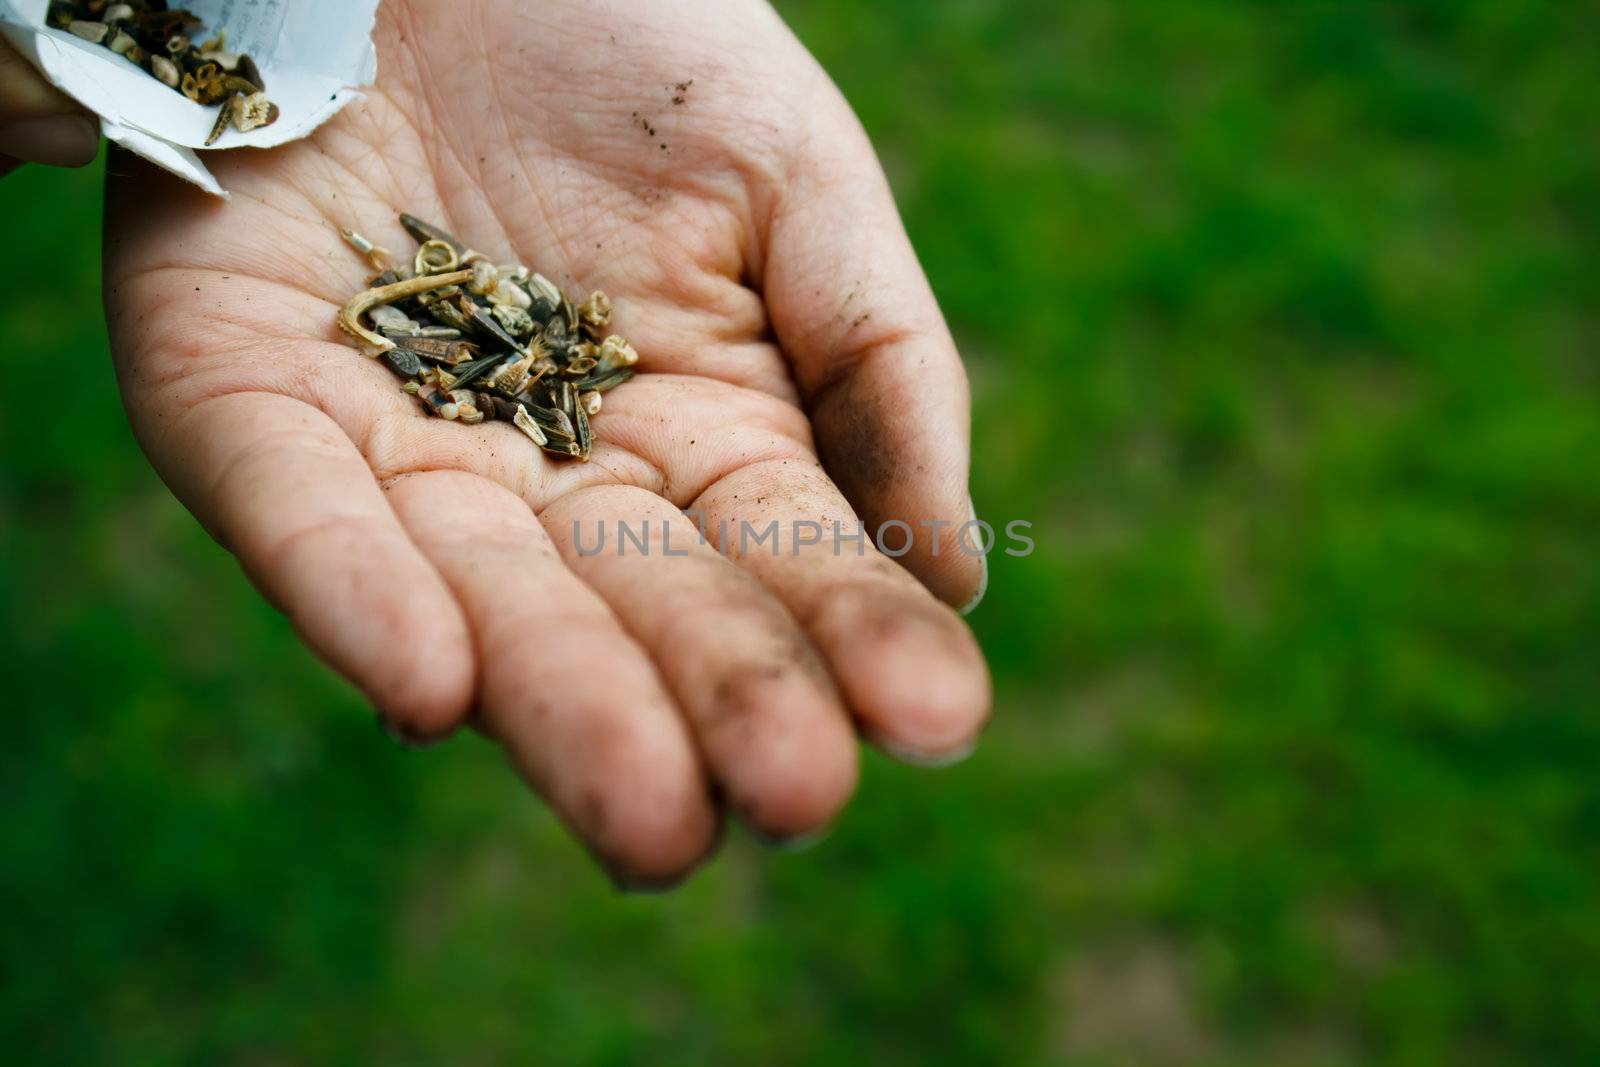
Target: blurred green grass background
x,y
1282,320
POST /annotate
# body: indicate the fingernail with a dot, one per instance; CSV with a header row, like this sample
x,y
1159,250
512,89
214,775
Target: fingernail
x,y
983,564
632,886
55,140
629,883
404,737
792,844
920,758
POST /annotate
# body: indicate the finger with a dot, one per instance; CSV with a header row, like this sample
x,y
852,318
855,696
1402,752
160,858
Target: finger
x,y
38,123
769,720
910,670
874,361
280,486
570,695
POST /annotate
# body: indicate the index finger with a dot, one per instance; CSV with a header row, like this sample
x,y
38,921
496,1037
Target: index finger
x,y
876,366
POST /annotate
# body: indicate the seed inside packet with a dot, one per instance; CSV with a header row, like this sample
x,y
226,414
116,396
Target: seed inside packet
x,y
473,341
163,42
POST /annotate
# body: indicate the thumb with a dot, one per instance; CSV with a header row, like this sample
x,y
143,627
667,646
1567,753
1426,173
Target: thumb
x,y
874,361
39,124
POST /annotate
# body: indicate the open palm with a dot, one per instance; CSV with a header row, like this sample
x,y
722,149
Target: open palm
x,y
693,161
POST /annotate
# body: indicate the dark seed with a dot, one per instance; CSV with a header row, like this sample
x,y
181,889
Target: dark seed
x,y
404,362
427,231
250,72
580,419
434,350
601,382
471,372
497,407
483,322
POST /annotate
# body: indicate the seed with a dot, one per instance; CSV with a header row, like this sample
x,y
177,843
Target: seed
x,y
387,316
485,279
580,420
436,400
224,116
545,296
556,335
204,86
437,257
446,313
251,111
536,359
441,350
512,378
93,32
579,367
228,61
508,293
517,323
617,352
526,424
165,71
249,71
425,232
478,369
602,381
149,35
403,362
501,408
595,311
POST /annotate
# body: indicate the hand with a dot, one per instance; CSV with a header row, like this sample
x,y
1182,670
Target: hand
x,y
693,161
39,124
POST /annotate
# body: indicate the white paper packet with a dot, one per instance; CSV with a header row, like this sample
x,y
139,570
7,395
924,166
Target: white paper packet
x,y
313,54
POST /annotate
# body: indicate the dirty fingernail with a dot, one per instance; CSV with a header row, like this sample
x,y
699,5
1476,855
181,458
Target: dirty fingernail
x,y
403,737
56,140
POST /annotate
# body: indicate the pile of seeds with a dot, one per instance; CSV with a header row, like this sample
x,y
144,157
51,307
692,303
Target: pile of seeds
x,y
147,34
474,341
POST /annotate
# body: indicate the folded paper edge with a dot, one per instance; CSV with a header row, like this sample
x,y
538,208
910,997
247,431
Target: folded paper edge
x,y
175,159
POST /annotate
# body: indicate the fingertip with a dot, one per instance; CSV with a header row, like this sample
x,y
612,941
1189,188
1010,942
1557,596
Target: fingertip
x,y
932,713
54,140
918,681
956,569
790,789
361,596
431,695
650,838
